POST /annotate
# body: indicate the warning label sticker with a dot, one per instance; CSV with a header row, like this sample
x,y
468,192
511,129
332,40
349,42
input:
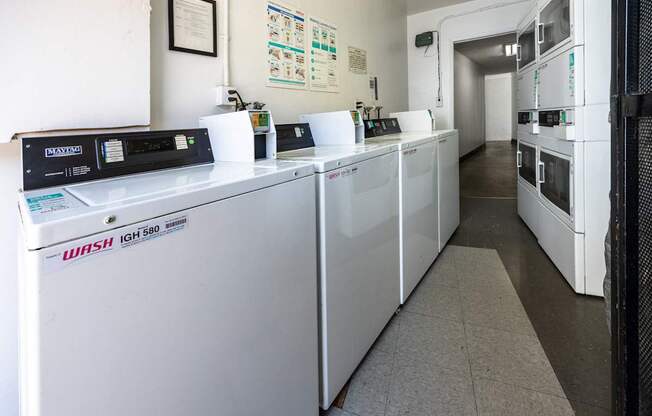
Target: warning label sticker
x,y
48,203
122,239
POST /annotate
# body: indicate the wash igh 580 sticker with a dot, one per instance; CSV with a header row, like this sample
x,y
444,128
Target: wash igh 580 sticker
x,y
87,249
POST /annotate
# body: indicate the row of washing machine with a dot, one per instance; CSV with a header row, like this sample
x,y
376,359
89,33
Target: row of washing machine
x,y
241,268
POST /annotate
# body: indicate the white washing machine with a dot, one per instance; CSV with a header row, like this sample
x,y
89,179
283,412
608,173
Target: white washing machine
x,y
448,175
418,208
358,217
188,290
448,169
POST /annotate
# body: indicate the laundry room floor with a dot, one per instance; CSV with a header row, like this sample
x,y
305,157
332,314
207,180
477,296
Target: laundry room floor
x,y
493,328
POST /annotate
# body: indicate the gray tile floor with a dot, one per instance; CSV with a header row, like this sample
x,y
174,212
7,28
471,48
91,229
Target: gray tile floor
x,y
462,345
572,328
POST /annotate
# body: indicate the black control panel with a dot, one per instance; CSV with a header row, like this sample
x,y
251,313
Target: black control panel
x,y
550,118
381,127
524,117
56,161
293,137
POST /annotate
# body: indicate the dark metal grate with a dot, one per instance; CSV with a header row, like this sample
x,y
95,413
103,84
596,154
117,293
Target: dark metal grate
x,y
645,262
645,47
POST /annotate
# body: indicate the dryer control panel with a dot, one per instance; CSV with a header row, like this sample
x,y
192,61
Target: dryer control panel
x,y
64,160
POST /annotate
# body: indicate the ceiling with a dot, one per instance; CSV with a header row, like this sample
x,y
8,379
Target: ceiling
x,y
418,6
489,53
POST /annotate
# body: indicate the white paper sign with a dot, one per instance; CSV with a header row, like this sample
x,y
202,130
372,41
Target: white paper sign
x,y
357,60
286,47
323,56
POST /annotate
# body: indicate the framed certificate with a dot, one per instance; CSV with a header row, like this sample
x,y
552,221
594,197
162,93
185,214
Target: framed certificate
x,y
193,26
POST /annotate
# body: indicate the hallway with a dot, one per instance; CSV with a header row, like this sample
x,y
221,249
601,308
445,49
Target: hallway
x,y
571,328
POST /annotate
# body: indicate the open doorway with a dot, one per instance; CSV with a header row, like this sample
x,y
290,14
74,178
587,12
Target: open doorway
x,y
485,115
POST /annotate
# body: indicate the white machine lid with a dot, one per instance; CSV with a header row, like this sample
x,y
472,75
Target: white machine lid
x,y
404,140
327,158
441,134
54,215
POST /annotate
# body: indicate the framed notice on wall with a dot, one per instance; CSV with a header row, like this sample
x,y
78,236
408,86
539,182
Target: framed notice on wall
x,y
193,26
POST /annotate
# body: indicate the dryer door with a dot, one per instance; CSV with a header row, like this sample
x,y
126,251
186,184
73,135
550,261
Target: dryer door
x,y
555,181
527,163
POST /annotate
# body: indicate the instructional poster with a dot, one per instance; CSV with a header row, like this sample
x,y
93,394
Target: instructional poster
x,y
286,50
323,56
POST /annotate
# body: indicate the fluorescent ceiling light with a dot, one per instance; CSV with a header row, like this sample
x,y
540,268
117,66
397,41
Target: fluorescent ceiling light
x,y
510,50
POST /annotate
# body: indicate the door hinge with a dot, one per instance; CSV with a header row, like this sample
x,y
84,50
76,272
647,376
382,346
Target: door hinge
x,y
630,106
634,105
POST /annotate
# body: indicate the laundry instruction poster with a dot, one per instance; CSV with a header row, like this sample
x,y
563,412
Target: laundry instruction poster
x,y
323,56
286,47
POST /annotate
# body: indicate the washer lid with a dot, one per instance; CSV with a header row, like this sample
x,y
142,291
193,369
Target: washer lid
x,y
58,214
327,158
404,140
442,134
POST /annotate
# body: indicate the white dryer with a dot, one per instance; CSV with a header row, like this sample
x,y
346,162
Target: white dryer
x,y
187,290
418,208
528,200
358,246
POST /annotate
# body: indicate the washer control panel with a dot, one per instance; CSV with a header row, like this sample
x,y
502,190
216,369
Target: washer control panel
x,y
63,160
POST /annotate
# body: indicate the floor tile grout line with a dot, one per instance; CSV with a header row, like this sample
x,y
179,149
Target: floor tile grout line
x,y
391,374
468,359
528,388
438,317
466,342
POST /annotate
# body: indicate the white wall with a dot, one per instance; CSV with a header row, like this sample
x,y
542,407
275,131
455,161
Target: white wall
x,y
182,89
71,66
469,103
9,173
498,107
464,21
183,85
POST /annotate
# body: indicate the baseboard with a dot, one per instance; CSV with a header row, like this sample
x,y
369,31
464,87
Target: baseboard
x,y
474,151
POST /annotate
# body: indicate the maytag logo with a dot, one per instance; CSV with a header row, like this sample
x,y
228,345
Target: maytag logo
x,y
87,249
63,151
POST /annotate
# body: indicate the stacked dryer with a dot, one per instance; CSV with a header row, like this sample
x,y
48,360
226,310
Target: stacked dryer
x,y
563,135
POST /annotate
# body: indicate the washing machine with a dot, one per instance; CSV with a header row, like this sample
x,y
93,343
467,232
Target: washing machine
x,y
156,282
448,188
358,247
418,208
448,169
